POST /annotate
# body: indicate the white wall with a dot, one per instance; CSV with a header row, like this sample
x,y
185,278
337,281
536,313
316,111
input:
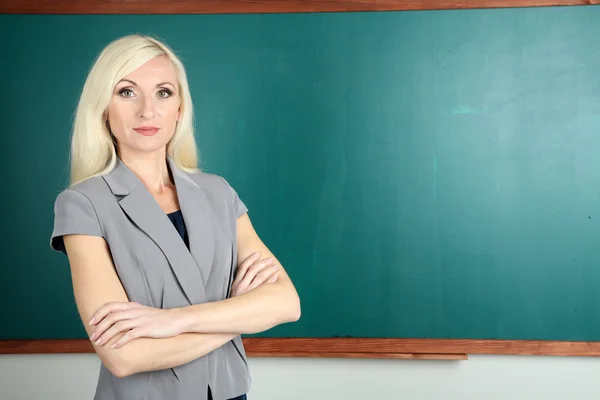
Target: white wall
x,y
73,377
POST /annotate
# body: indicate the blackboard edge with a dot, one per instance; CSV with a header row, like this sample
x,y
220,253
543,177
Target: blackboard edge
x,y
258,6
351,347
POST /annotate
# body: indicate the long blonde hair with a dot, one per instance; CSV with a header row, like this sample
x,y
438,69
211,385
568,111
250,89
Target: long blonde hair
x,y
93,150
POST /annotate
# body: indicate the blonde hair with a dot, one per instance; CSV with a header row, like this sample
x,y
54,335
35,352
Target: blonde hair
x,y
93,151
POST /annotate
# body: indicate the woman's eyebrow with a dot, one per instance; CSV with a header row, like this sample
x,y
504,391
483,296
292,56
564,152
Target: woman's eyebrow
x,y
135,84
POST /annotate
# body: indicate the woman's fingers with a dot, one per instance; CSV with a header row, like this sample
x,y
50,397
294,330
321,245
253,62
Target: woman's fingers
x,y
112,307
262,270
128,337
255,269
251,259
117,328
264,276
114,318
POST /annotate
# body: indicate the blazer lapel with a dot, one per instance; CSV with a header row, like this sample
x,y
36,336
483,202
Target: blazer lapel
x,y
195,209
144,211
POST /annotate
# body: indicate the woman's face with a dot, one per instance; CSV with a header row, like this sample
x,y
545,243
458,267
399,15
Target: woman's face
x,y
144,107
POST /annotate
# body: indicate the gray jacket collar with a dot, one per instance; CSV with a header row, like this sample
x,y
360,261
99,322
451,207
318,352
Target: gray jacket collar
x,y
191,267
122,180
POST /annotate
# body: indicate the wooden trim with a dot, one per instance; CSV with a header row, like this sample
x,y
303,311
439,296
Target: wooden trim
x,y
420,346
259,6
397,356
45,346
348,347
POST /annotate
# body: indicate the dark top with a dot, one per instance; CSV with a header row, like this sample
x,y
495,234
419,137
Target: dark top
x,y
177,220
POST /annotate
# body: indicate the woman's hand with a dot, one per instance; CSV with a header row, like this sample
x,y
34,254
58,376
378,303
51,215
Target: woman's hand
x,y
136,320
253,273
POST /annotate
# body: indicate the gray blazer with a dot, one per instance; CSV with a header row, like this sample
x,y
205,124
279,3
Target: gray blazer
x,y
157,270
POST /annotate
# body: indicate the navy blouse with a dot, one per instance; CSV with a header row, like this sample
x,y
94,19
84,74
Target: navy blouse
x,y
176,218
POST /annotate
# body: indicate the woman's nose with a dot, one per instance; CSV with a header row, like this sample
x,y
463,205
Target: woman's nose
x,y
147,108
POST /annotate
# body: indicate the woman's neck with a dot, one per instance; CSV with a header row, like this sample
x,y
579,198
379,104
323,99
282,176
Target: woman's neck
x,y
150,168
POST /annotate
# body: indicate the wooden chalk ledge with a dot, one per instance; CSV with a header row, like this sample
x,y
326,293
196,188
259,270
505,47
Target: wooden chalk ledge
x,y
398,356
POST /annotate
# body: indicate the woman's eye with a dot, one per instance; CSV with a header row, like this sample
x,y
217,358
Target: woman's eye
x,y
122,92
165,93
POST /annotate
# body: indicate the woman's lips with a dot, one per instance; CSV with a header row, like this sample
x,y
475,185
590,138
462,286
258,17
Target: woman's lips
x,y
147,131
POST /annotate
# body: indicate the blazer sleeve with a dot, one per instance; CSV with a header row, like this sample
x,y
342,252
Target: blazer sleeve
x,y
238,205
74,213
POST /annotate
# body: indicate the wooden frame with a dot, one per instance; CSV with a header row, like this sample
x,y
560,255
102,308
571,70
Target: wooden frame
x,y
453,349
259,6
440,349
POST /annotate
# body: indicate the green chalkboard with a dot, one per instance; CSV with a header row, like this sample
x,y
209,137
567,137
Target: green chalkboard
x,y
429,174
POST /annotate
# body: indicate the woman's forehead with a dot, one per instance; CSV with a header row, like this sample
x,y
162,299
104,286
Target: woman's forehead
x,y
155,71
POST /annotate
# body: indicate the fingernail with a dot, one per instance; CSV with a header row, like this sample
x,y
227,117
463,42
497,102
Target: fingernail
x,y
115,345
99,341
255,254
271,259
92,320
93,336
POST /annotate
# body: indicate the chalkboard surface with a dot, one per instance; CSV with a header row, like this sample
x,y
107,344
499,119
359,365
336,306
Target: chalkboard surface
x,y
430,174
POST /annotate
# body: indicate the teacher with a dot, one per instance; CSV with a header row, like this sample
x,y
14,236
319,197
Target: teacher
x,y
167,269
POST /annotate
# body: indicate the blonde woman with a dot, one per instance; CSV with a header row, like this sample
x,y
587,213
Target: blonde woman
x,y
167,269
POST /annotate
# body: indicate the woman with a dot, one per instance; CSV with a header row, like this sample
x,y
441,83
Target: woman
x,y
153,244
